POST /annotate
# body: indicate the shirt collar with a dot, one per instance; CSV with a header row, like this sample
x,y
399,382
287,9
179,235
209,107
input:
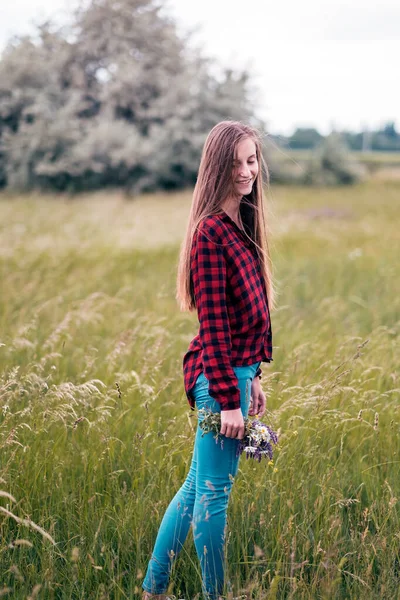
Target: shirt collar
x,y
227,219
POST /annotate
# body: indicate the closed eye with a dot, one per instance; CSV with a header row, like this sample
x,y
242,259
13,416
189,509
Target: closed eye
x,y
250,162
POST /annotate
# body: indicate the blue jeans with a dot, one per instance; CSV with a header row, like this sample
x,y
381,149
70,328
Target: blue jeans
x,y
202,500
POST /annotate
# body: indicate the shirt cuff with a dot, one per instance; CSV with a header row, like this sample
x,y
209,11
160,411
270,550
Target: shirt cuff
x,y
230,403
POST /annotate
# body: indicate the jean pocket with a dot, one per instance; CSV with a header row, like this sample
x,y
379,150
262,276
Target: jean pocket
x,y
202,396
207,403
201,382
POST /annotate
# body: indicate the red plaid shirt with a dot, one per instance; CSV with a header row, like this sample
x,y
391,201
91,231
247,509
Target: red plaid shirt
x,y
232,306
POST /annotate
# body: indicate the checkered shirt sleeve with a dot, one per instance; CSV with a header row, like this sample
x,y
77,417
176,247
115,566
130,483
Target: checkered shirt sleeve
x,y
209,280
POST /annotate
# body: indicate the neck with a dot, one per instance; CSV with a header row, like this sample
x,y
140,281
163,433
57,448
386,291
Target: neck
x,y
231,207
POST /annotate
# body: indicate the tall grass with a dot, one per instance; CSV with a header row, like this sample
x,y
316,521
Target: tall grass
x,y
95,430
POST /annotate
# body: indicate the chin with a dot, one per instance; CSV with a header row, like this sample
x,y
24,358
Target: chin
x,y
245,191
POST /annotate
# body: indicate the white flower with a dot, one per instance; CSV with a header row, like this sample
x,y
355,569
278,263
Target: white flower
x,y
250,449
263,433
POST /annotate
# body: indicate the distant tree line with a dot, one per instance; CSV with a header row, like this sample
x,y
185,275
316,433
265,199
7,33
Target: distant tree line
x,y
386,139
114,99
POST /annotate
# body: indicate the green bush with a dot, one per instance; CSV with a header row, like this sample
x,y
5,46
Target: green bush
x,y
332,164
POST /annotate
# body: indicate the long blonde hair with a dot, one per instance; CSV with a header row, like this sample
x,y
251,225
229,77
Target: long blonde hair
x,y
214,184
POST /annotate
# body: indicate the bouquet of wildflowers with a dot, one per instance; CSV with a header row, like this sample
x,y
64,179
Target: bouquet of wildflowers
x,y
258,437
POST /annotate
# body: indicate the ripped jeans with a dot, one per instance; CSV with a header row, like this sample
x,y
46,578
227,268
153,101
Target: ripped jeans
x,y
202,500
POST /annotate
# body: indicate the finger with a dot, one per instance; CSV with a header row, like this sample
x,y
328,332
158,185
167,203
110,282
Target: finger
x,y
252,406
263,403
228,431
235,432
262,409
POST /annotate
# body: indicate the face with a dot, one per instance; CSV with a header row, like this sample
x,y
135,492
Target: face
x,y
245,167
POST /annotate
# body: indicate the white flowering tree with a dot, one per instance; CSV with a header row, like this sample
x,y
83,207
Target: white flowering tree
x,y
115,99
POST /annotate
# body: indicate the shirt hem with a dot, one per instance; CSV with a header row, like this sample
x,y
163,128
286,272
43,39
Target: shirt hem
x,y
245,363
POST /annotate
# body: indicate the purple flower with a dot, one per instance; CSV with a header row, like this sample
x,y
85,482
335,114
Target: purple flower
x,y
258,439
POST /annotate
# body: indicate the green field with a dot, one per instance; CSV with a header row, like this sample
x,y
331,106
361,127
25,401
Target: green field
x,y
96,433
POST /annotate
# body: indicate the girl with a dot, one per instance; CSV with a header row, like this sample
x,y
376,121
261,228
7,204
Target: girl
x,y
224,272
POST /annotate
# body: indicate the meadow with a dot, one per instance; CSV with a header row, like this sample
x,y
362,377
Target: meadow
x,y
96,433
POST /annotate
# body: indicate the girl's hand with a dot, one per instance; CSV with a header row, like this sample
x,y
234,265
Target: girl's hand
x,y
232,423
258,400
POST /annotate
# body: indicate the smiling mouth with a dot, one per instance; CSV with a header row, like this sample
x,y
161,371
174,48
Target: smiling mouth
x,y
244,181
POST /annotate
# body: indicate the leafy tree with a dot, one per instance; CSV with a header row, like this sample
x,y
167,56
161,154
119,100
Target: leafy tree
x,y
304,138
390,131
386,139
115,99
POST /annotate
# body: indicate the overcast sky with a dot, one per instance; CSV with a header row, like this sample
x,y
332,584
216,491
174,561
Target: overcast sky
x,y
314,63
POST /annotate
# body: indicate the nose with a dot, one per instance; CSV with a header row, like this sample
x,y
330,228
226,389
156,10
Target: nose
x,y
244,172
